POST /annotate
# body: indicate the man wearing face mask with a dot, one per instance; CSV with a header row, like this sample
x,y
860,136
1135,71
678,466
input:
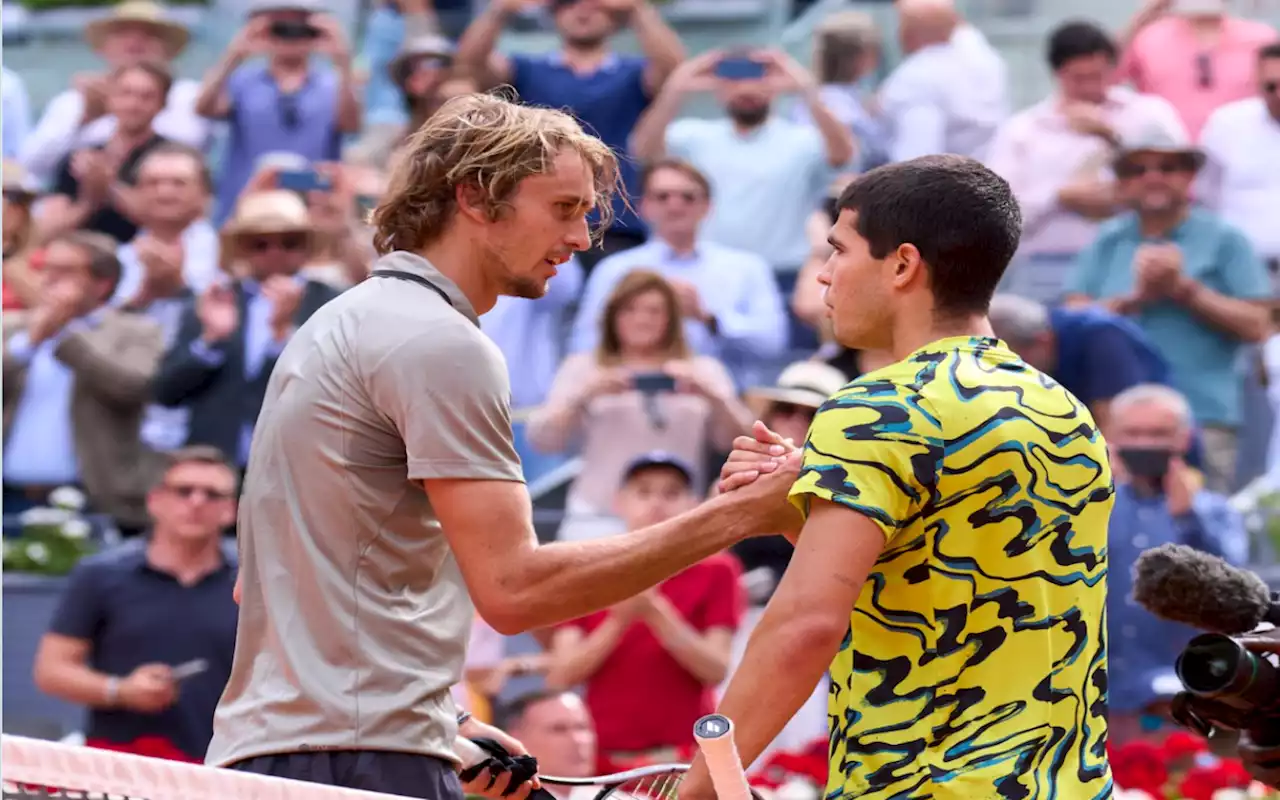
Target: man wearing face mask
x,y
1159,500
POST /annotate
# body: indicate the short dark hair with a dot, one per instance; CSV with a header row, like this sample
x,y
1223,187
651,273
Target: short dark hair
x,y
511,713
196,454
675,165
1079,39
1269,51
961,216
100,248
180,149
160,73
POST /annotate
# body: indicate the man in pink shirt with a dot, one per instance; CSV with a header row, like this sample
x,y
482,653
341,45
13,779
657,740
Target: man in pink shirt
x,y
1057,153
1198,57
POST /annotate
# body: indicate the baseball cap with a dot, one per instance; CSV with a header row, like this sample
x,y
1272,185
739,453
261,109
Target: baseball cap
x,y
658,458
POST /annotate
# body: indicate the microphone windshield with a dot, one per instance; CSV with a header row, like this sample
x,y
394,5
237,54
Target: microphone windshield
x,y
1182,584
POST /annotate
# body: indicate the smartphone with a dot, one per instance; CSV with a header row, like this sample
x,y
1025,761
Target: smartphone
x,y
189,669
292,30
739,68
303,180
654,382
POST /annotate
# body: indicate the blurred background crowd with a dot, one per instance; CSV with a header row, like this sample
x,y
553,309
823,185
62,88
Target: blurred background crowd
x,y
185,186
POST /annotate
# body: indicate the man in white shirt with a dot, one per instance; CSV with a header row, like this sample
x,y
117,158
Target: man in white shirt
x,y
732,308
136,32
950,92
1241,180
769,172
1056,155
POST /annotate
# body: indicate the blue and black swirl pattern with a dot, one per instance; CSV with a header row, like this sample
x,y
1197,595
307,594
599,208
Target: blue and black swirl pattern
x,y
975,664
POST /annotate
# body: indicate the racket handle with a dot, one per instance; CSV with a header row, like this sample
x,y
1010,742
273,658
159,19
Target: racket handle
x,y
714,734
468,752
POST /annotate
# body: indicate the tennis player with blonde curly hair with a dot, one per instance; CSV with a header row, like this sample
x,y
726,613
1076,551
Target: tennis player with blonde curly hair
x,y
384,499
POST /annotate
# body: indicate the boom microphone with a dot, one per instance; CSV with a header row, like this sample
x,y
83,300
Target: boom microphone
x,y
1182,584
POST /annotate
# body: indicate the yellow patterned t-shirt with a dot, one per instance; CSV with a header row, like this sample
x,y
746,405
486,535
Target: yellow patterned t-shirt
x,y
975,665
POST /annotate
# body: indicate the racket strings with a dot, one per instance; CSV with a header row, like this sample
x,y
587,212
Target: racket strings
x,y
660,786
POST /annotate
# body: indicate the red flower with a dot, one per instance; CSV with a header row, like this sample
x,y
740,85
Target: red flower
x,y
1183,744
1201,782
1139,765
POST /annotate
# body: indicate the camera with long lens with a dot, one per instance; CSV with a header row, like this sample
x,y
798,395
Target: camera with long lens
x,y
1227,686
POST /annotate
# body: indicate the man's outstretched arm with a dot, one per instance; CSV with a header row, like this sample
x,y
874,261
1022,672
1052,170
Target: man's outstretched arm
x,y
800,632
518,584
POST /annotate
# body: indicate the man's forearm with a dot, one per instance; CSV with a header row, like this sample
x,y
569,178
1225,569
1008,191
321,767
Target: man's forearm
x,y
214,84
836,136
78,684
1244,319
481,36
648,138
579,663
660,44
778,672
564,580
701,657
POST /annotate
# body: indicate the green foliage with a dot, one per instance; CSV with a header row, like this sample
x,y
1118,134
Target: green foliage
x,y
53,539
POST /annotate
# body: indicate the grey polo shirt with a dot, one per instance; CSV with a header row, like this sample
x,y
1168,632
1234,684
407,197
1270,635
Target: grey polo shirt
x,y
354,618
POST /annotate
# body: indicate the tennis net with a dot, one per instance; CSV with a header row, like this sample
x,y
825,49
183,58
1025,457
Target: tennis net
x,y
37,770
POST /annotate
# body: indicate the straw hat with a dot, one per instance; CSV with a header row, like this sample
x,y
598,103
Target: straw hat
x,y
267,212
139,12
271,211
804,383
16,180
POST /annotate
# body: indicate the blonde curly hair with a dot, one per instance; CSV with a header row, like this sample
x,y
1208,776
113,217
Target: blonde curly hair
x,y
488,142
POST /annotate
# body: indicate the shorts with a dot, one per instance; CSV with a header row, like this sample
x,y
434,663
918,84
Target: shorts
x,y
403,774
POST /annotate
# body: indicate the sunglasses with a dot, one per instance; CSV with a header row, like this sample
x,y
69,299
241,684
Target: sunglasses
x,y
792,410
688,197
265,244
1167,167
187,491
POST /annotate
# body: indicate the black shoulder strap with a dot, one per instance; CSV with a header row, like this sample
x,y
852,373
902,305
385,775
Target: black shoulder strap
x,y
401,275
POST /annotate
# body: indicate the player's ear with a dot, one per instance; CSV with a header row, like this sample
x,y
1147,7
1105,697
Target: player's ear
x,y
472,202
908,266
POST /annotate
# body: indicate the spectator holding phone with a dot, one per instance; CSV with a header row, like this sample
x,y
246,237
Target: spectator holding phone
x,y
143,635
638,391
287,103
761,165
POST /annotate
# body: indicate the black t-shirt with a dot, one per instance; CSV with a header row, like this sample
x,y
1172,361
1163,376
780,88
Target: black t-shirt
x,y
107,219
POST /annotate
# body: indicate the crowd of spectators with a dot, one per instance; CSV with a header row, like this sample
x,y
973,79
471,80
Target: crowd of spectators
x,y
148,289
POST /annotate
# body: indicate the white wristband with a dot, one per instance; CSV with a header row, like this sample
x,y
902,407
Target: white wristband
x,y
113,691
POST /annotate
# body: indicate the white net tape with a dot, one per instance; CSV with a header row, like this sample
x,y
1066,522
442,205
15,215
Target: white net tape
x,y
37,769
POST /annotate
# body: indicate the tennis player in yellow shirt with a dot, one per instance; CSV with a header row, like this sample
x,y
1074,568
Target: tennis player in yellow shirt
x,y
951,527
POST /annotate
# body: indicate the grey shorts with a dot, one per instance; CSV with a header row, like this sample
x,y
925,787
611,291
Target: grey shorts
x,y
404,774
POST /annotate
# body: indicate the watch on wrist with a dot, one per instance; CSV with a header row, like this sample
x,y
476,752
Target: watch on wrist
x,y
463,718
112,694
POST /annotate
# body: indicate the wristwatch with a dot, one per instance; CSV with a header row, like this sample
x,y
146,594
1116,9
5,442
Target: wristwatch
x,y
463,716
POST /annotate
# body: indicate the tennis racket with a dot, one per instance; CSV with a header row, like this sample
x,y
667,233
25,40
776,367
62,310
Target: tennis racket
x,y
714,734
